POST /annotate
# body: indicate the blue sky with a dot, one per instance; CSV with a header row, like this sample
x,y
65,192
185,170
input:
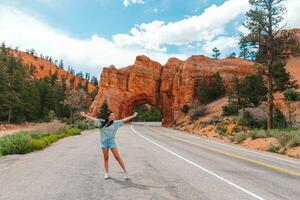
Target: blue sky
x,y
92,34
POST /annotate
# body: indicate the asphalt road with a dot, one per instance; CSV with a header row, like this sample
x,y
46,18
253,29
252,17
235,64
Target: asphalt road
x,y
162,164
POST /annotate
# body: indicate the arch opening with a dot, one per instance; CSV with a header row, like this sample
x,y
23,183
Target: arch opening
x,y
148,109
147,113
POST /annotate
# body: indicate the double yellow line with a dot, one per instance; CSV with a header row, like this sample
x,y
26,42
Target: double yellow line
x,y
282,170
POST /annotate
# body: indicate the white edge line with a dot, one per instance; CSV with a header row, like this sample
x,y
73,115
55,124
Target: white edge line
x,y
231,146
196,165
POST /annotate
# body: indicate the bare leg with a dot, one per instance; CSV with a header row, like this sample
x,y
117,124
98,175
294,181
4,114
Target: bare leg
x,y
105,158
117,156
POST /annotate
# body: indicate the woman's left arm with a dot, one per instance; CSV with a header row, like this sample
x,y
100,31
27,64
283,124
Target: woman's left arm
x,y
130,117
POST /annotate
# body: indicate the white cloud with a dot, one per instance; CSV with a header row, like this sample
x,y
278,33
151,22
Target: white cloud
x,y
26,32
128,2
293,15
224,44
205,27
194,34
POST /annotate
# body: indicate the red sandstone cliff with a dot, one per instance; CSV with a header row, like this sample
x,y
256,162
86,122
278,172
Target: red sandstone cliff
x,y
293,64
168,86
44,68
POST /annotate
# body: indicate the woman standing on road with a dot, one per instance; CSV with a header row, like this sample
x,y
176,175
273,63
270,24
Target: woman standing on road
x,y
108,129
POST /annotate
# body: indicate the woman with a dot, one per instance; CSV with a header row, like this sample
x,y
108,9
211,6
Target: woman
x,y
108,129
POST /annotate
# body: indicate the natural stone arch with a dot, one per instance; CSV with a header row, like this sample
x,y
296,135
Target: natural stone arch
x,y
168,86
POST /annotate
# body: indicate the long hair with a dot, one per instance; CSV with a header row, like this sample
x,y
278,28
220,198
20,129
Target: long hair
x,y
107,123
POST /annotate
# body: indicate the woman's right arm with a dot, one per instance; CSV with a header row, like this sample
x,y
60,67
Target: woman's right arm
x,y
83,114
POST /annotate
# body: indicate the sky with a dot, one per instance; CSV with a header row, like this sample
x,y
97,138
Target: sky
x,y
91,34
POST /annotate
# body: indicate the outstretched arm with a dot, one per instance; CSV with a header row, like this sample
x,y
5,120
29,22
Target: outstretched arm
x,y
130,117
83,114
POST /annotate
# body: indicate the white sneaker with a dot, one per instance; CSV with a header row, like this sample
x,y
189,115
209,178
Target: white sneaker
x,y
106,176
126,176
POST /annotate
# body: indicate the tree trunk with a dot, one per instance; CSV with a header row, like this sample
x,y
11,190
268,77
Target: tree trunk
x,y
270,68
9,114
290,114
270,102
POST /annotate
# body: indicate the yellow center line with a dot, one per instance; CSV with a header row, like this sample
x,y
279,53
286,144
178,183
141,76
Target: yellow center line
x,y
280,169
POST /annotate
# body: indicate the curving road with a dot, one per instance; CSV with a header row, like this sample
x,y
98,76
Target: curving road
x,y
162,163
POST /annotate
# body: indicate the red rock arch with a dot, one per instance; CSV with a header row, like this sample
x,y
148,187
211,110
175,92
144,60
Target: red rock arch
x,y
169,87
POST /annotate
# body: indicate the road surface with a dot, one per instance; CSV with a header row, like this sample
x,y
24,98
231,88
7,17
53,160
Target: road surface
x,y
162,164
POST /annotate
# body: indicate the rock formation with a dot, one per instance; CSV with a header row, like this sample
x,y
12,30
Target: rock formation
x,y
43,68
168,86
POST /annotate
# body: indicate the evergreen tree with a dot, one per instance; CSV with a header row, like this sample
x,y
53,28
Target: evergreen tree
x,y
279,119
236,90
217,89
252,90
79,74
31,105
94,81
291,95
61,64
269,43
232,55
203,93
216,52
87,76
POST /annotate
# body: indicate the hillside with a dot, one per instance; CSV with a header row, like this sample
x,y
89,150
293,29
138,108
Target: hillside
x,y
43,68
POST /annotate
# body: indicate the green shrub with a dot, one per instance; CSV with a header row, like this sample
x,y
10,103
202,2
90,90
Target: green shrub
x,y
38,144
238,129
185,109
254,118
71,131
273,148
82,125
286,137
239,138
294,140
19,143
279,119
258,133
23,142
51,116
230,109
221,130
198,111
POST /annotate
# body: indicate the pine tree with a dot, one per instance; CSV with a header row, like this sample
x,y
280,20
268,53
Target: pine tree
x,y
291,95
216,52
94,81
232,55
61,64
268,42
203,93
217,89
252,90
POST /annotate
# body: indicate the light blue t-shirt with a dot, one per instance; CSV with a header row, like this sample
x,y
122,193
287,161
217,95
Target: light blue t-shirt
x,y
108,132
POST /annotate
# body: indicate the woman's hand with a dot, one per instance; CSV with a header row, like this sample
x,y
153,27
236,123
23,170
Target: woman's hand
x,y
83,114
134,114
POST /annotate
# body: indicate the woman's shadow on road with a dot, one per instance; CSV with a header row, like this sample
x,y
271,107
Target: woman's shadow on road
x,y
129,184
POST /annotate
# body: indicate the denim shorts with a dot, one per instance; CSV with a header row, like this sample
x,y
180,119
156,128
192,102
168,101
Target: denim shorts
x,y
109,143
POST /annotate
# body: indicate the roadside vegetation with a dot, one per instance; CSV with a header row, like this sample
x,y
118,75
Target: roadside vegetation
x,y
25,142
